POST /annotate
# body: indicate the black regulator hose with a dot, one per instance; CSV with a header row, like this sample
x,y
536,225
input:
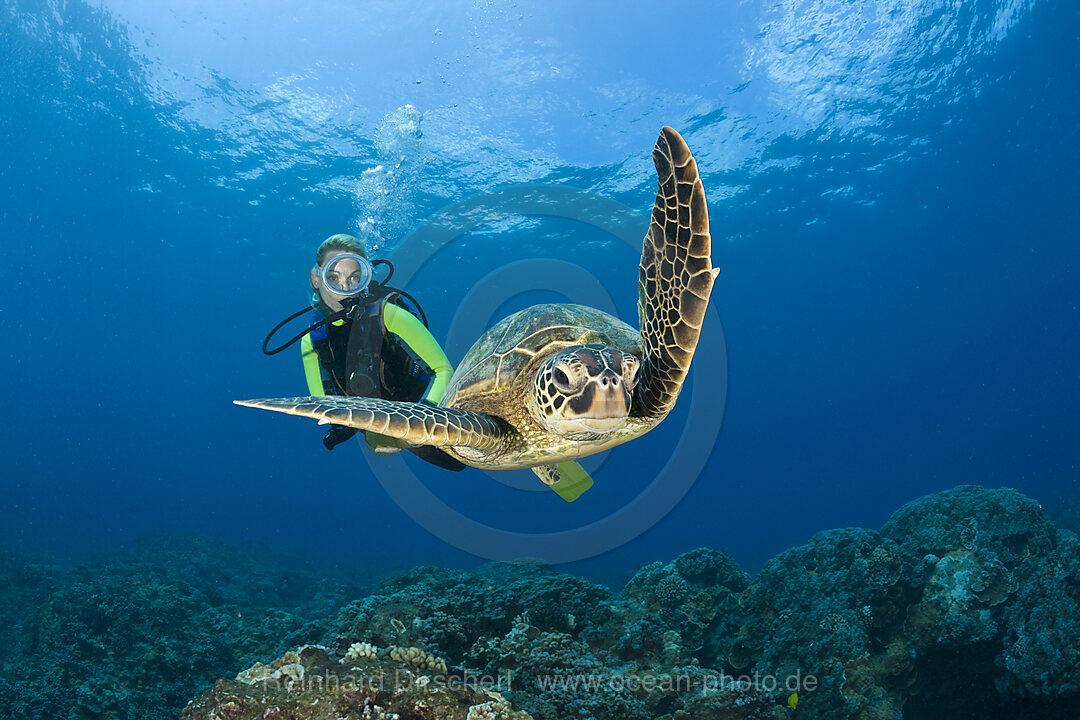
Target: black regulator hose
x,y
332,318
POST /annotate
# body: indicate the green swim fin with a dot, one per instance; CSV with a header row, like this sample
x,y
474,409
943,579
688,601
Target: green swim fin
x,y
568,479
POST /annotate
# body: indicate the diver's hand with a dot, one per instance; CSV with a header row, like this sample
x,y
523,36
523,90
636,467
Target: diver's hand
x,y
336,435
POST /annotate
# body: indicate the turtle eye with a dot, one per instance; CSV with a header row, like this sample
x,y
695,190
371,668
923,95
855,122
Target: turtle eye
x,y
562,381
631,368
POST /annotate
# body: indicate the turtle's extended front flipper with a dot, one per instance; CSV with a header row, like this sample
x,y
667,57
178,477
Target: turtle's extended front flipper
x,y
675,278
413,422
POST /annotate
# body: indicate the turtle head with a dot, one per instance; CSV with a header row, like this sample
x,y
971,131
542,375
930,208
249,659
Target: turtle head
x,y
584,391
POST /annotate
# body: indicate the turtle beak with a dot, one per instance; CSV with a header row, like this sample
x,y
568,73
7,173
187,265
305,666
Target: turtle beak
x,y
604,403
611,399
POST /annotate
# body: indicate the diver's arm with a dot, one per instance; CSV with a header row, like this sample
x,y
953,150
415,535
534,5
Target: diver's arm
x,y
336,434
312,368
417,338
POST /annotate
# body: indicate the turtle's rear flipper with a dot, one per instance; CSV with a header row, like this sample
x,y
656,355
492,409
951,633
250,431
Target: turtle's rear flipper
x,y
675,277
413,422
567,479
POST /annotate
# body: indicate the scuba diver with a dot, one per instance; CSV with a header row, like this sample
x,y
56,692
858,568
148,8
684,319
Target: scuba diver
x,y
367,339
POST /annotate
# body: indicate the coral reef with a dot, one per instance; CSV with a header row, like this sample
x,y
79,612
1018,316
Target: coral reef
x,y
969,517
671,610
1042,627
563,646
975,585
138,634
831,610
965,603
311,684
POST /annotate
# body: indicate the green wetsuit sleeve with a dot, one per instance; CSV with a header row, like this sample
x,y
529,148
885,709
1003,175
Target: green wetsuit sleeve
x,y
312,369
416,337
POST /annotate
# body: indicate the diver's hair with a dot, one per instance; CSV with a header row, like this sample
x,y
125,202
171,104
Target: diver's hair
x,y
335,243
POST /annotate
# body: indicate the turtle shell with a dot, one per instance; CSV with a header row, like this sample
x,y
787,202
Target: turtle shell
x,y
492,375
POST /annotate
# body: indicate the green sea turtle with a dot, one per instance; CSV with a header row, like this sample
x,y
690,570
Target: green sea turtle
x,y
554,383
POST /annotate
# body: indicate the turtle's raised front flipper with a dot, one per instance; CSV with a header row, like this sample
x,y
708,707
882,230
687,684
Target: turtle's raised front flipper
x,y
675,278
414,422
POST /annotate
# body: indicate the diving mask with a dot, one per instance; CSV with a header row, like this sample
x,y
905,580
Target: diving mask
x,y
346,274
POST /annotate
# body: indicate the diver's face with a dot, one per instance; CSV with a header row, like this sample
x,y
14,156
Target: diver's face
x,y
343,273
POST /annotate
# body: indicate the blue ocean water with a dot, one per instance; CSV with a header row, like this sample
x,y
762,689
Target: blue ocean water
x,y
892,187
